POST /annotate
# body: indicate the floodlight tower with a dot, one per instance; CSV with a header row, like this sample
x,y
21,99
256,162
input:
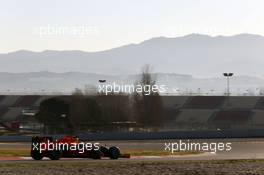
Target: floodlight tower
x,y
228,75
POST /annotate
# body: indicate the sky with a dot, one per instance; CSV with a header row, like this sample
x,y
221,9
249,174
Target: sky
x,y
97,25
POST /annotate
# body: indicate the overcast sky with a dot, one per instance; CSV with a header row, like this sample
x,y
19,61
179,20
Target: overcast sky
x,y
103,24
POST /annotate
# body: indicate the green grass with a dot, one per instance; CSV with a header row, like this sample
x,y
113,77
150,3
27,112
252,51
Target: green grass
x,y
14,153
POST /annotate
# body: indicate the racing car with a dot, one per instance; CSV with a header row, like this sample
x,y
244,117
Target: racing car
x,y
40,148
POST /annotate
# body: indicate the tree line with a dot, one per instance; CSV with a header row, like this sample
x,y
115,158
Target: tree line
x,y
83,112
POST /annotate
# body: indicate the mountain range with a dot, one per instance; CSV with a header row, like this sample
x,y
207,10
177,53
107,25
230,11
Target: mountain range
x,y
190,63
194,54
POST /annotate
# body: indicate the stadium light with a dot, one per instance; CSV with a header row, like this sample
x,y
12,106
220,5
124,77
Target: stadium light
x,y
101,81
228,75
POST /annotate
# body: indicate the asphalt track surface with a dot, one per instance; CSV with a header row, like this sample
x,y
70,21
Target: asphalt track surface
x,y
241,149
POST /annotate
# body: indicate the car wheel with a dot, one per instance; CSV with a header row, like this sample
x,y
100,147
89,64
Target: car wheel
x,y
96,154
105,151
36,155
114,152
55,155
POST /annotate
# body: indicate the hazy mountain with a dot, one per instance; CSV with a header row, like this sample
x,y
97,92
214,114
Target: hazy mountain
x,y
194,54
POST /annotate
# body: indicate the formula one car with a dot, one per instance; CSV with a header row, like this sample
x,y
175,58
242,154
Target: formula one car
x,y
71,147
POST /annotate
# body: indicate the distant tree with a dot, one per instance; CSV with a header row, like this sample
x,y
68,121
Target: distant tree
x,y
148,109
115,107
77,92
79,112
261,91
84,112
54,114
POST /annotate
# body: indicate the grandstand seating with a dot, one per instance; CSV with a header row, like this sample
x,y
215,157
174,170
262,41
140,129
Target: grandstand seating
x,y
205,102
3,110
1,97
194,116
11,114
9,100
26,101
174,101
260,103
258,118
171,113
239,116
240,102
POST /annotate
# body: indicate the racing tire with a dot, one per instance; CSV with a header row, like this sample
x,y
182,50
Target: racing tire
x,y
114,152
55,155
104,150
96,154
36,155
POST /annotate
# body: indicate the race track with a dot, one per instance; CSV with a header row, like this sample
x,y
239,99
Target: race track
x,y
241,149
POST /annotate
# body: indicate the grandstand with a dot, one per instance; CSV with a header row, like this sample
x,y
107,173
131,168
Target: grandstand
x,y
204,102
260,103
182,112
1,97
172,102
216,112
172,105
3,110
12,114
27,100
258,118
12,107
193,118
9,100
241,102
232,119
